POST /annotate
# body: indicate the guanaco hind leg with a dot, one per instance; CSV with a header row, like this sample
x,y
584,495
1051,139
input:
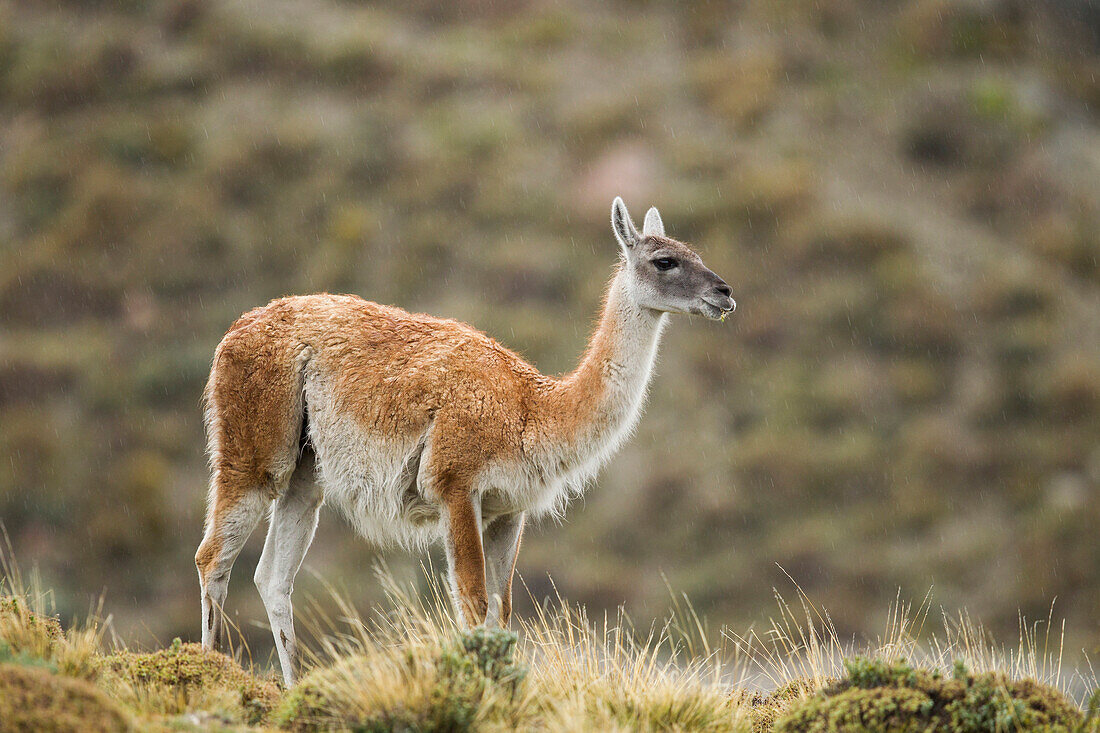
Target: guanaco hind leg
x,y
289,535
254,420
229,523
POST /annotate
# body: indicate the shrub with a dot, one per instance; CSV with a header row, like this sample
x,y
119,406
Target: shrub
x,y
878,696
32,699
416,689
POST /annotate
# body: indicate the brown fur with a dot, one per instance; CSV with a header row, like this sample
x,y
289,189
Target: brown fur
x,y
464,540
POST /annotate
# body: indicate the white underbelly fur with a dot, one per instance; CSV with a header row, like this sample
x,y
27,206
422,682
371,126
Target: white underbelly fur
x,y
365,475
367,478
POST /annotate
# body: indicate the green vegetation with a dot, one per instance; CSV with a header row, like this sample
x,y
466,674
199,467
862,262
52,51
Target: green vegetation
x,y
878,697
407,668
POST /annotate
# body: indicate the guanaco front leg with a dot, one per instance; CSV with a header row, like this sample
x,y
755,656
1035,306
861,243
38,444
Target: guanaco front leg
x,y
465,558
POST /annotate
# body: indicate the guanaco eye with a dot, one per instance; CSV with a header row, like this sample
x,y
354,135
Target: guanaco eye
x,y
665,263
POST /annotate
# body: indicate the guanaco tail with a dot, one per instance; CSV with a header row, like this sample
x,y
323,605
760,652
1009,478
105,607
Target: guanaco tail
x,y
419,428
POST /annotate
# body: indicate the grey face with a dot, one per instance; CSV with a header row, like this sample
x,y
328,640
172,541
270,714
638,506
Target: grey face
x,y
666,275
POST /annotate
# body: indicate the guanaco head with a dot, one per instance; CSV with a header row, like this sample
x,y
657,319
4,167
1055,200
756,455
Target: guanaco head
x,y
666,275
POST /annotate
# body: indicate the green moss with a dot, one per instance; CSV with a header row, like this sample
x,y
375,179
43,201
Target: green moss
x,y
305,707
878,696
34,700
186,669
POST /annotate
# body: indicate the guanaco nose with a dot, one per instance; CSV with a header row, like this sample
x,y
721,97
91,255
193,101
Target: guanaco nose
x,y
722,289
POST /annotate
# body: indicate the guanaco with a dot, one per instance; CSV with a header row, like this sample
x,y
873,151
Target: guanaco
x,y
420,428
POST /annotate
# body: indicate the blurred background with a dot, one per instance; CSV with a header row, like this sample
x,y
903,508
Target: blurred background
x,y
903,196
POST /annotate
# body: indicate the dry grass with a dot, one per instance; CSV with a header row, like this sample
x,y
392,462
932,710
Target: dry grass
x,y
606,675
568,672
585,674
802,644
406,665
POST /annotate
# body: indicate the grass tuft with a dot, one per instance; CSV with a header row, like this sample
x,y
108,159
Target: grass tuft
x,y
469,678
30,632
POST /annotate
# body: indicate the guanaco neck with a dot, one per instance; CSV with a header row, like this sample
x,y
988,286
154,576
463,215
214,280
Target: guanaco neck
x,y
585,414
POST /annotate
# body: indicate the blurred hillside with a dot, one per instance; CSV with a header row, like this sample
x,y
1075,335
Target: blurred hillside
x,y
903,196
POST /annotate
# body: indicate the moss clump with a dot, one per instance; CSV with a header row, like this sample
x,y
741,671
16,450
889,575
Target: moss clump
x,y
31,637
26,632
184,671
445,688
881,697
13,608
32,699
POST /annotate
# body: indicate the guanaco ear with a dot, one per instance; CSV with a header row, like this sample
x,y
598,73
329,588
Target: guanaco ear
x,y
622,224
653,225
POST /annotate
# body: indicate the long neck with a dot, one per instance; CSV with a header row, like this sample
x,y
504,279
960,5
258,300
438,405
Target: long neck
x,y
590,410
